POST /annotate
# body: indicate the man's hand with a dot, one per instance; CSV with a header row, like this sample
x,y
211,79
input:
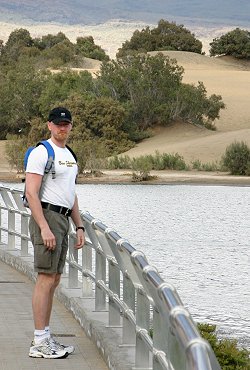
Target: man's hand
x,y
80,239
48,237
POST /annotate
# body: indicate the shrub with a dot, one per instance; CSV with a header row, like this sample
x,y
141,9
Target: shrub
x,y
150,162
121,162
173,162
235,43
15,150
199,166
237,158
230,357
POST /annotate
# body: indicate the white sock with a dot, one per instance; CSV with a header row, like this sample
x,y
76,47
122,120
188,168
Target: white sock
x,y
47,329
40,335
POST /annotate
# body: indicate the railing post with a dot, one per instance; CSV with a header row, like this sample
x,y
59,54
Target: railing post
x,y
142,321
11,216
100,274
128,292
158,338
128,332
73,272
24,234
87,289
114,286
11,229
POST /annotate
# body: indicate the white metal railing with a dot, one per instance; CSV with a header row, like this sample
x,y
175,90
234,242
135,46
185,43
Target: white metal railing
x,y
123,283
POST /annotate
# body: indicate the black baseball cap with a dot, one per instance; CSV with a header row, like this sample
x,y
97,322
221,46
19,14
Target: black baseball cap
x,y
59,114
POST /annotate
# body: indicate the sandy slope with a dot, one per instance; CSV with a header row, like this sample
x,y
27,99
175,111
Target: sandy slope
x,y
225,76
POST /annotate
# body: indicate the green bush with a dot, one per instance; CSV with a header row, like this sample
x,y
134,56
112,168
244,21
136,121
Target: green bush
x,y
166,36
237,158
121,162
173,162
15,150
235,43
228,354
199,166
156,162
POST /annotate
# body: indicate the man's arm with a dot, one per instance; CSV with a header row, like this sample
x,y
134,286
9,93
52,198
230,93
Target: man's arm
x,y
33,183
75,215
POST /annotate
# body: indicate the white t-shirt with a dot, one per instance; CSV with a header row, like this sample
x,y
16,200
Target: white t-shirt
x,y
61,190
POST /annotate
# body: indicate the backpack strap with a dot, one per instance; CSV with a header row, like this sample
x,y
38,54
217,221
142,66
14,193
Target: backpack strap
x,y
72,152
26,156
50,165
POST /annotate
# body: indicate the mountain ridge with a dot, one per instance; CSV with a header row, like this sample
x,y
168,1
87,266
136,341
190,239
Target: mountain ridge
x,y
230,12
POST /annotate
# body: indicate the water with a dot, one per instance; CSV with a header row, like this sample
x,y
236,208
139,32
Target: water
x,y
196,236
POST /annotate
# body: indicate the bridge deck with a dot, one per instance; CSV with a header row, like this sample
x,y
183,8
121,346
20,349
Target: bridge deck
x,y
16,329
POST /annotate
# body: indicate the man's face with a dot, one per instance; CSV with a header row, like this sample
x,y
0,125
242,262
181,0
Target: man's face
x,y
60,131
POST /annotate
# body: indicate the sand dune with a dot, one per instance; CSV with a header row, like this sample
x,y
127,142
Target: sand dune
x,y
225,76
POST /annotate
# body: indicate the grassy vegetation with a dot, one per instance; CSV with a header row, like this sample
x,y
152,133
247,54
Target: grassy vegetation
x,y
227,352
158,162
149,162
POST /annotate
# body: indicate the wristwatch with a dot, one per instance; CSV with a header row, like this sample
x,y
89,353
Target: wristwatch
x,y
80,228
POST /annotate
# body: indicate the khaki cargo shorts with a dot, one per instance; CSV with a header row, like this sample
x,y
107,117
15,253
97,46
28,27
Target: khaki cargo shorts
x,y
47,261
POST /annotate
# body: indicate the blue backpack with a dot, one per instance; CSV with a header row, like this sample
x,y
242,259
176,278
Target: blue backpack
x,y
50,165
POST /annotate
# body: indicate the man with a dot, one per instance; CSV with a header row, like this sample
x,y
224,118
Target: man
x,y
50,208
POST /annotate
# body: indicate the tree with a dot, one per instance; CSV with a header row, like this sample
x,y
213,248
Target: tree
x,y
63,52
86,47
60,86
235,43
18,39
99,119
166,36
48,41
193,105
19,94
151,90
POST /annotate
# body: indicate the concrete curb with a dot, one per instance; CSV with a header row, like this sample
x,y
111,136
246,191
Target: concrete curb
x,y
95,324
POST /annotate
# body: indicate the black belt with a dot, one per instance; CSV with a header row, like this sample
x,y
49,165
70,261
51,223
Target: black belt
x,y
52,207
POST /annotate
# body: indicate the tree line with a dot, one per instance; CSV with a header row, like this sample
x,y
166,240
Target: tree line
x,y
170,36
112,110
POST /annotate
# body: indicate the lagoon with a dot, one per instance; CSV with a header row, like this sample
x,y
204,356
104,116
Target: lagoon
x,y
197,237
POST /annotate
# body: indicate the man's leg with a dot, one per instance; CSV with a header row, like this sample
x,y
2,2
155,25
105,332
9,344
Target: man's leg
x,y
41,299
51,296
42,346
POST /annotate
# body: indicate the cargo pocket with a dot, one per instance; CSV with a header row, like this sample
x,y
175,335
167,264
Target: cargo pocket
x,y
42,257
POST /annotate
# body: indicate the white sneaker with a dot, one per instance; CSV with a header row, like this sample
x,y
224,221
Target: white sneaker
x,y
59,346
45,349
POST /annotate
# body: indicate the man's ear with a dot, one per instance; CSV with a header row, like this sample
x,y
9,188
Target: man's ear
x,y
49,125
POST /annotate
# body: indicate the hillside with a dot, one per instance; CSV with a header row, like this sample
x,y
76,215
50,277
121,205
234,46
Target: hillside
x,y
225,76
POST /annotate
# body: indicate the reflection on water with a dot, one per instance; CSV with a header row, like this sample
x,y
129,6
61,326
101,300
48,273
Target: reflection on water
x,y
198,238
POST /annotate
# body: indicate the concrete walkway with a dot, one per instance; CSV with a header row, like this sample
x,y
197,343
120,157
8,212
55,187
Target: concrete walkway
x,y
16,329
